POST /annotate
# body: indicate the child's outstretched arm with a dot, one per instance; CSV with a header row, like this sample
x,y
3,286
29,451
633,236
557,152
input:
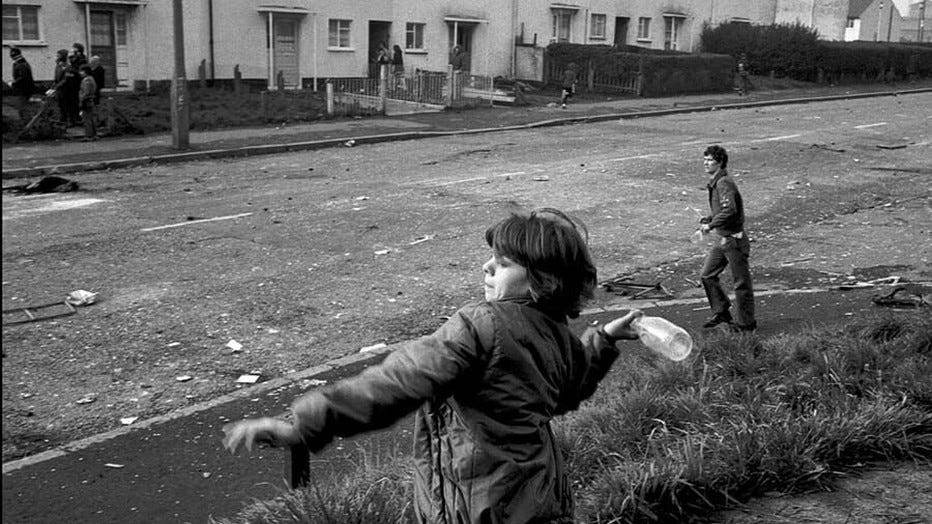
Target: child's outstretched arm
x,y
248,433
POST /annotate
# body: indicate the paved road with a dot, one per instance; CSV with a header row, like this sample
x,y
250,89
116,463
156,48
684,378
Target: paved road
x,y
173,470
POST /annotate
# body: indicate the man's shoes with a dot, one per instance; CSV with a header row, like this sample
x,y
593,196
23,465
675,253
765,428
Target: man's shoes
x,y
716,320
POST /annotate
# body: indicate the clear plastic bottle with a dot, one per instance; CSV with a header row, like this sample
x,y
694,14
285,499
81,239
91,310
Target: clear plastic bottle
x,y
664,337
698,236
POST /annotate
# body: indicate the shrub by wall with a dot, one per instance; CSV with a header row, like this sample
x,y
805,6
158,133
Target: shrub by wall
x,y
607,68
795,51
668,75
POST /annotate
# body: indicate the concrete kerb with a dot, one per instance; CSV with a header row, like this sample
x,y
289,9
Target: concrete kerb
x,y
370,356
412,135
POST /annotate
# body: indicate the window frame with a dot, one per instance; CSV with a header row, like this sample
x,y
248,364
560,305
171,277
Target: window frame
x,y
672,27
643,29
21,41
335,33
561,15
414,36
593,34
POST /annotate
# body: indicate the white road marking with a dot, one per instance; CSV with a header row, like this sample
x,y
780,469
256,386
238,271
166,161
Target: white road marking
x,y
865,126
633,157
775,138
188,223
15,208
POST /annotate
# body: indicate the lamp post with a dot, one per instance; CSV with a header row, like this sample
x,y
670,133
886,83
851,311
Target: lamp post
x,y
179,91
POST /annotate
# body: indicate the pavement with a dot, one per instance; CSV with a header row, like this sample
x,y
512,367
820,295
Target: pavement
x,y
173,469
70,155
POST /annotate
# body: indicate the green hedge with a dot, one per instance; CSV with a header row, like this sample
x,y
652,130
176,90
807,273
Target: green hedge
x,y
658,72
795,51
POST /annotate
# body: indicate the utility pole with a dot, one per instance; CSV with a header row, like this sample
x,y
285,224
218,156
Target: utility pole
x,y
179,104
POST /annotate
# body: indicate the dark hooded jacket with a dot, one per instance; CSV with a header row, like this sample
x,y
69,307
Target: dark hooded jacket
x,y
486,386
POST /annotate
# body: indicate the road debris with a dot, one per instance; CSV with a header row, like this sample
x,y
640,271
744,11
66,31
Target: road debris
x,y
113,465
49,184
382,252
126,421
886,281
894,146
542,178
901,297
234,346
424,238
86,400
21,315
623,286
183,378
81,297
827,148
374,347
247,379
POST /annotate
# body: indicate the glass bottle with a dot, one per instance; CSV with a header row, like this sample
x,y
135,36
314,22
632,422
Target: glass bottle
x,y
663,336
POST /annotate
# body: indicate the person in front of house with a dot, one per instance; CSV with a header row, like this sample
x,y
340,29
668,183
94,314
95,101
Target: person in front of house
x,y
568,83
86,93
485,385
23,85
730,246
99,74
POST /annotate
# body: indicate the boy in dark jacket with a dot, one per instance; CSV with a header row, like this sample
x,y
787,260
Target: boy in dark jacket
x,y
485,385
731,246
23,84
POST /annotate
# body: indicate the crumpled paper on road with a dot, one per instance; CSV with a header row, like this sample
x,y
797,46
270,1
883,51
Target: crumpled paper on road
x,y
81,298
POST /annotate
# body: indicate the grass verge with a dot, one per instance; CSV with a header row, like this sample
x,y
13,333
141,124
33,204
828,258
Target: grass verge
x,y
674,442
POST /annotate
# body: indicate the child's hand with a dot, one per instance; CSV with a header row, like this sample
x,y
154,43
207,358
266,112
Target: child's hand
x,y
247,433
620,328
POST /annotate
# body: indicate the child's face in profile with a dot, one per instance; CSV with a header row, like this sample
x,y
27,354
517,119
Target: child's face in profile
x,y
505,278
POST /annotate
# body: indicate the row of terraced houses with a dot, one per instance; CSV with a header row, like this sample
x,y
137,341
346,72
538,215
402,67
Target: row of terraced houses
x,y
292,43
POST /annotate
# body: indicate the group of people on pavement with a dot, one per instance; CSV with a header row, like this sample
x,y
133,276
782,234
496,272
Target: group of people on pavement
x,y
76,86
486,385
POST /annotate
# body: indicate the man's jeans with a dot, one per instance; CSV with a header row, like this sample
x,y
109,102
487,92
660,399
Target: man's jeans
x,y
734,252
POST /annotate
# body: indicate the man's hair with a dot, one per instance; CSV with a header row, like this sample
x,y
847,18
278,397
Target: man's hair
x,y
15,51
718,154
552,247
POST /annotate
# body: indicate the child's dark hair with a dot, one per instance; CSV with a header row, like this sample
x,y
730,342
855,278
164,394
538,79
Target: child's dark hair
x,y
718,154
552,247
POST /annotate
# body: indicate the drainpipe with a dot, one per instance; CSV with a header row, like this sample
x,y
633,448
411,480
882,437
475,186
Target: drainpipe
x,y
210,29
514,37
314,37
271,56
87,28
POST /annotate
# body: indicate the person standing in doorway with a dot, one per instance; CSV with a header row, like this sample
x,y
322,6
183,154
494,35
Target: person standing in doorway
x,y
730,246
743,75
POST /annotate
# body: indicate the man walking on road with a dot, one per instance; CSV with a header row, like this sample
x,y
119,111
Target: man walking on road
x,y
730,246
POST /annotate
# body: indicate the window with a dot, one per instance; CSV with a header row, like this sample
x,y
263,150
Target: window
x,y
414,36
562,21
598,27
119,23
339,34
21,23
850,23
643,28
672,27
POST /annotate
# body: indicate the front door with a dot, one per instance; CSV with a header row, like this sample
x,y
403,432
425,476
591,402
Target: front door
x,y
103,44
621,31
286,52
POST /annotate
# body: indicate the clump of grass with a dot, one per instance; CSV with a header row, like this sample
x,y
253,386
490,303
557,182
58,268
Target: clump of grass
x,y
673,442
376,492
